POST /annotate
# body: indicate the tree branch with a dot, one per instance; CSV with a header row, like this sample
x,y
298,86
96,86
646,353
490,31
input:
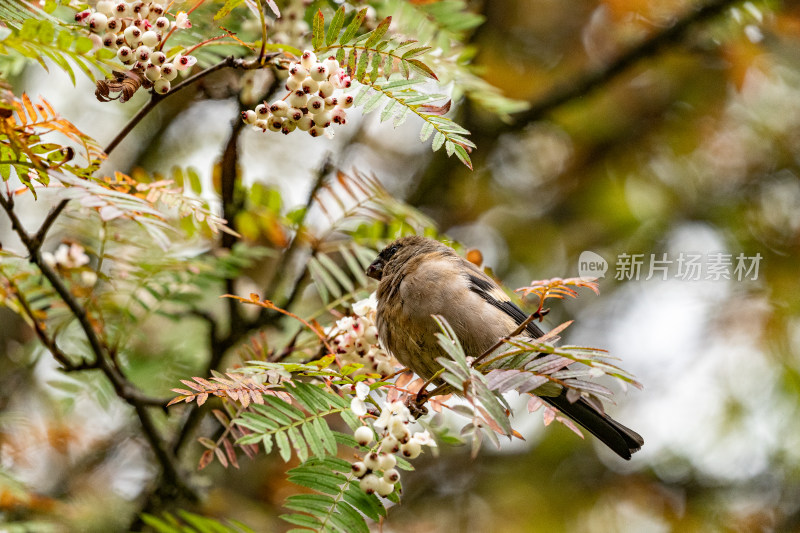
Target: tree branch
x,y
586,83
290,253
123,388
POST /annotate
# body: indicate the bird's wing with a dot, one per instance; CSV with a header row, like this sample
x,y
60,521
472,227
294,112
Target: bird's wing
x,y
486,288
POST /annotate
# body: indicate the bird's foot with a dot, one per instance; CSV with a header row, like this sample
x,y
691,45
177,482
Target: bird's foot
x,y
416,404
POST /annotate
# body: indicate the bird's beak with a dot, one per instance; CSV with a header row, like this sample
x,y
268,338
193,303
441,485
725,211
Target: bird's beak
x,y
375,270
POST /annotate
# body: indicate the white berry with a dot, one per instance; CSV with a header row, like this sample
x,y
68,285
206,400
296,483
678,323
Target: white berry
x,y
315,103
387,461
305,123
249,116
370,483
325,89
150,38
152,72
359,469
411,449
98,23
279,108
168,71
161,86
318,72
308,59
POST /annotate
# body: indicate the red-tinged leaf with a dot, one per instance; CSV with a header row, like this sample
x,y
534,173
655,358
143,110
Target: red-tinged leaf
x,y
244,397
379,31
404,379
183,391
435,109
233,395
192,385
549,415
256,397
201,398
318,30
423,68
534,404
179,399
231,453
487,418
567,422
221,417
221,457
205,459
204,382
558,329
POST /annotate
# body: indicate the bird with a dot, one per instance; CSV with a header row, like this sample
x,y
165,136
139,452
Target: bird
x,y
419,277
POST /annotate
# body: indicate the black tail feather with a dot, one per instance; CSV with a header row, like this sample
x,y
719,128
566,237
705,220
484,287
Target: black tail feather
x,y
622,440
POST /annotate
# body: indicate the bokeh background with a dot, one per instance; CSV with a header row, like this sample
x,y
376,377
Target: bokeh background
x,y
689,144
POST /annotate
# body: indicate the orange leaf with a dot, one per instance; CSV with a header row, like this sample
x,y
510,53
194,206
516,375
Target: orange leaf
x,y
205,459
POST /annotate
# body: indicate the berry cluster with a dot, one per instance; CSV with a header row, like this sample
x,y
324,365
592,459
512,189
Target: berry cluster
x,y
356,340
376,470
310,104
136,30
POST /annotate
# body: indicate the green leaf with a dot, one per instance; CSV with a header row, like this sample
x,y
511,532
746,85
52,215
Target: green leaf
x,y
337,272
336,26
194,180
463,156
298,443
438,141
426,131
46,32
366,503
302,520
226,9
83,44
353,27
317,481
318,30
414,52
283,446
378,32
363,61
309,503
373,102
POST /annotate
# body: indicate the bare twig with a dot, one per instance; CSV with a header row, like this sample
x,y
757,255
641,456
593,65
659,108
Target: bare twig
x,y
123,388
587,82
289,255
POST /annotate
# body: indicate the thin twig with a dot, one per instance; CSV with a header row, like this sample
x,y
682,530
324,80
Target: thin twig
x,y
49,220
587,82
123,388
290,253
49,343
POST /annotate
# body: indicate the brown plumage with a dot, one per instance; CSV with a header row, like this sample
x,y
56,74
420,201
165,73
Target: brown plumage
x,y
420,277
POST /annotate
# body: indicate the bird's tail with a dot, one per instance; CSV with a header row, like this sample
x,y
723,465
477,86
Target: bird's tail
x,y
622,440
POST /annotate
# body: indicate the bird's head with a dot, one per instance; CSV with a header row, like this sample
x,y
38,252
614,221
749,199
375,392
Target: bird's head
x,y
400,251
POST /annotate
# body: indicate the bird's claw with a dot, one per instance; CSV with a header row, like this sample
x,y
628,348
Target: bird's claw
x,y
416,404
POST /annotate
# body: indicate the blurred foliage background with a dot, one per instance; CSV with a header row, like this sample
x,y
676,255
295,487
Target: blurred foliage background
x,y
688,143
